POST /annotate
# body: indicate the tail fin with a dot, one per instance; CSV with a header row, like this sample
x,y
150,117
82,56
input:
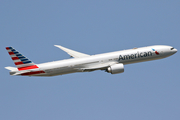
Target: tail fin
x,y
21,62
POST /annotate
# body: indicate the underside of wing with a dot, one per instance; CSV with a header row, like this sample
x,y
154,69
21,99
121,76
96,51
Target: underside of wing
x,y
103,66
72,53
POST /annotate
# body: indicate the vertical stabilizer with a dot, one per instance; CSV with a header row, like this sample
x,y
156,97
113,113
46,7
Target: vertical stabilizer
x,y
21,62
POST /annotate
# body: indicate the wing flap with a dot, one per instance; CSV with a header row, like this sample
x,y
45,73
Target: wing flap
x,y
72,53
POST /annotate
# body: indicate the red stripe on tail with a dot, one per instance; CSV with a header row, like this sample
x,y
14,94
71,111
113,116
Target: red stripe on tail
x,y
7,48
15,58
18,63
11,53
28,67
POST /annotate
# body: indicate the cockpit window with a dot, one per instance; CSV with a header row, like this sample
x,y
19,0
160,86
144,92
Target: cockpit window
x,y
172,48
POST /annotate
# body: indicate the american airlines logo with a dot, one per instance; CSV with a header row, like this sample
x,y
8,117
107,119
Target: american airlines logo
x,y
133,56
157,53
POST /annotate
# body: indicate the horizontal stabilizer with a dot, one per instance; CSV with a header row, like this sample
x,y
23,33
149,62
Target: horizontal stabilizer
x,y
11,68
72,53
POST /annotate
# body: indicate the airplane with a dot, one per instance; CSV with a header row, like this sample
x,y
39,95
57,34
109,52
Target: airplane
x,y
112,62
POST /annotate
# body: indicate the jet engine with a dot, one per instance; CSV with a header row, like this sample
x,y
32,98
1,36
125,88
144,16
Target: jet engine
x,y
115,69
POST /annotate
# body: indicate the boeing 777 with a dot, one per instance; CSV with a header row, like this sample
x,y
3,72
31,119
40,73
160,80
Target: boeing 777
x,y
112,62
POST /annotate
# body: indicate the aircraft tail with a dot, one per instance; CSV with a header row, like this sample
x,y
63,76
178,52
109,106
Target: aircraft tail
x,y
21,62
11,68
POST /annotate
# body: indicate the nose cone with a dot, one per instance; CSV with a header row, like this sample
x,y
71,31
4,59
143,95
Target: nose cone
x,y
174,51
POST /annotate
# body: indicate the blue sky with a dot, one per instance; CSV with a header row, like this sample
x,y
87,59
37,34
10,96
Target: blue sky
x,y
149,90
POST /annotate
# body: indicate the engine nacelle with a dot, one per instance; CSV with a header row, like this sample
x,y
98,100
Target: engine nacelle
x,y
115,69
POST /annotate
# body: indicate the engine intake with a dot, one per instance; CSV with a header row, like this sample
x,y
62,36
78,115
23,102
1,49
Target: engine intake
x,y
115,69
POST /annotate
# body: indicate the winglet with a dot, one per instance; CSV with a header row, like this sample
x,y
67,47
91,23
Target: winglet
x,y
72,53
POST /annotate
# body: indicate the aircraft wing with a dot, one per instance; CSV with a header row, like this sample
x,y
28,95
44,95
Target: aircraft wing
x,y
102,66
72,53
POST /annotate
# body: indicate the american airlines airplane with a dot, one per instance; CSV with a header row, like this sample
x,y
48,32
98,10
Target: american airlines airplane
x,y
112,62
